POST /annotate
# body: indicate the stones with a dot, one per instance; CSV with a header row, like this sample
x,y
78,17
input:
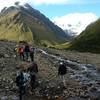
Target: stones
x,y
1,55
93,89
94,95
11,97
4,98
6,56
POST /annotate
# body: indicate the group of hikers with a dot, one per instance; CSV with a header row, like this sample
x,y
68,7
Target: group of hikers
x,y
25,51
26,78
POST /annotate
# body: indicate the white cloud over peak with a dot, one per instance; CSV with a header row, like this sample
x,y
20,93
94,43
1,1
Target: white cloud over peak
x,y
75,22
6,3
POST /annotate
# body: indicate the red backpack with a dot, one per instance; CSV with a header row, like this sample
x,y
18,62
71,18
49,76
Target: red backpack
x,y
21,50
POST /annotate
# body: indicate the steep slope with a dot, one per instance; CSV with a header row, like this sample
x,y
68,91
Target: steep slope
x,y
89,39
23,23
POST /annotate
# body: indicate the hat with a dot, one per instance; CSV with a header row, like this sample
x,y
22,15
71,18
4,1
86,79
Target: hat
x,y
61,63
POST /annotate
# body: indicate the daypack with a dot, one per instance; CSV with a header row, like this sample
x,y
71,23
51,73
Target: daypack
x,y
62,70
20,80
21,50
27,49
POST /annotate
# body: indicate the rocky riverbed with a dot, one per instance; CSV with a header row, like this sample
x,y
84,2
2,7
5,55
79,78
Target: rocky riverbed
x,y
50,86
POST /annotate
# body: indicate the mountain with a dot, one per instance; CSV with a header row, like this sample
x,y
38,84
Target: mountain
x,y
89,39
71,29
74,23
24,23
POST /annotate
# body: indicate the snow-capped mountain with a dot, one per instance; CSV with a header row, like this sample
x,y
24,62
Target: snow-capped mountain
x,y
75,23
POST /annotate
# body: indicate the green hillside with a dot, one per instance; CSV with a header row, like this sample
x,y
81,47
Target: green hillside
x,y
20,24
89,39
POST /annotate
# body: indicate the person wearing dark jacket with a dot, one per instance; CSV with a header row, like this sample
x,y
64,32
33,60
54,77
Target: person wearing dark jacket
x,y
32,53
33,69
27,51
20,82
62,70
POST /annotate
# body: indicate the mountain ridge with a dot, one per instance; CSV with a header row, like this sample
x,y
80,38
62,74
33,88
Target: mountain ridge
x,y
89,39
36,27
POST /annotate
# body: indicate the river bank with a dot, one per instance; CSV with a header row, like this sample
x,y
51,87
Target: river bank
x,y
81,57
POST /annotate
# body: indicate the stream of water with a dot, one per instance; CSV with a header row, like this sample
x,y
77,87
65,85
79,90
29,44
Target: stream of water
x,y
84,73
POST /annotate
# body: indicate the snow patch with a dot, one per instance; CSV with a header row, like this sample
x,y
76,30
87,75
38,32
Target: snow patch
x,y
75,22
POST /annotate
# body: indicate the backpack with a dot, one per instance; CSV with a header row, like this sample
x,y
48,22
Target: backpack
x,y
62,70
35,68
21,49
32,49
20,80
27,49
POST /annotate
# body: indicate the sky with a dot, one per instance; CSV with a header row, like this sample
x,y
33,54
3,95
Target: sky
x,y
60,11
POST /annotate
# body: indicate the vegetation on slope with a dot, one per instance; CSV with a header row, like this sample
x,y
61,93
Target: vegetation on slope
x,y
89,39
20,24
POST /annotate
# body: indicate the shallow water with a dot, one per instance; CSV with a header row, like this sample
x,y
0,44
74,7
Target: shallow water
x,y
84,73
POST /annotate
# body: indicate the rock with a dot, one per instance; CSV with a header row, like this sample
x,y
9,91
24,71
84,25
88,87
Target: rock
x,y
93,89
1,55
4,98
94,95
6,56
13,97
76,98
90,84
98,83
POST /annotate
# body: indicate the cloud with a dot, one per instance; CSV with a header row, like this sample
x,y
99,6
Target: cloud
x,y
38,2
75,22
7,3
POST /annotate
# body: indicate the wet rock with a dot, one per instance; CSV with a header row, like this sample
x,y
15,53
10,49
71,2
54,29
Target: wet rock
x,y
98,83
93,89
90,84
84,87
73,66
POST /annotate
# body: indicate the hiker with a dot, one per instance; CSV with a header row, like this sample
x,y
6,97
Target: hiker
x,y
32,49
27,51
33,69
21,52
21,83
62,71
